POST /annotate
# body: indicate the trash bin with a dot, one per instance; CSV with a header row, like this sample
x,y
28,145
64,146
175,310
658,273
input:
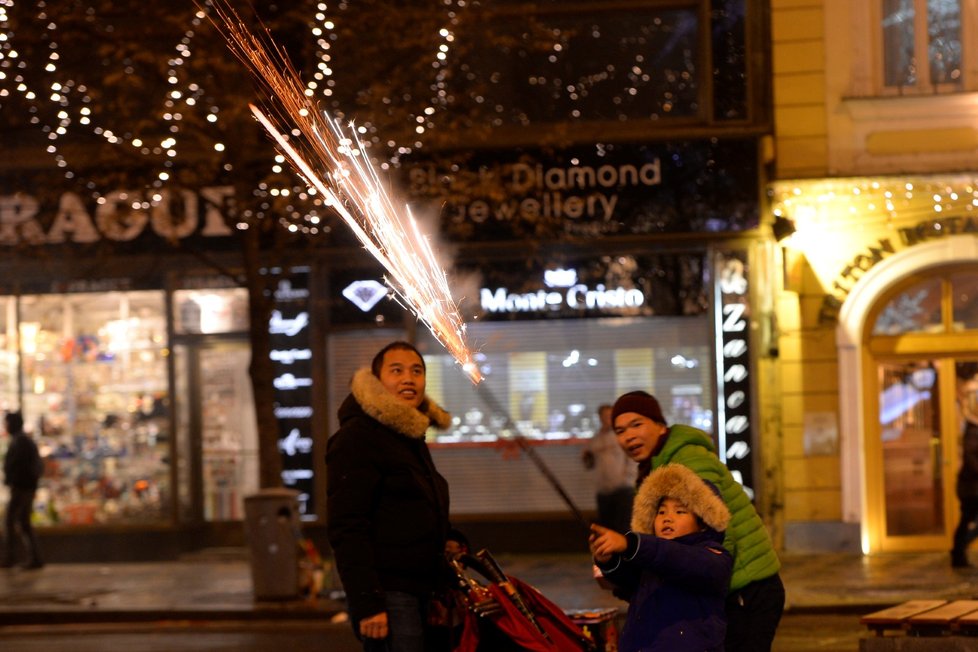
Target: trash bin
x,y
272,530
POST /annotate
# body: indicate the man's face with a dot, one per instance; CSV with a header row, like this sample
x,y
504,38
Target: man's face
x,y
674,520
402,374
637,435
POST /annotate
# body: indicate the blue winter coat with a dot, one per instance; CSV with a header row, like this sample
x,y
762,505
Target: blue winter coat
x,y
676,591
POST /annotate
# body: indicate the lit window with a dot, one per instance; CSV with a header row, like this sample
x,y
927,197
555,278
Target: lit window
x,y
912,27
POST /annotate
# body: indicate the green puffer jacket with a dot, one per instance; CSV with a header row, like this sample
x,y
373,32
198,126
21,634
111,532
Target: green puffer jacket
x,y
746,538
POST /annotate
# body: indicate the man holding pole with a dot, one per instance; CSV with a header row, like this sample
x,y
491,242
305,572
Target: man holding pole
x,y
755,601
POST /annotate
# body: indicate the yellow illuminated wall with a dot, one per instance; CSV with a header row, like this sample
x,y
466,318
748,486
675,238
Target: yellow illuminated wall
x,y
847,175
434,383
798,52
528,398
806,484
634,369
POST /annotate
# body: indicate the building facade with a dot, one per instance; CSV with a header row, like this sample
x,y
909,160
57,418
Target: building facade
x,y
874,195
601,221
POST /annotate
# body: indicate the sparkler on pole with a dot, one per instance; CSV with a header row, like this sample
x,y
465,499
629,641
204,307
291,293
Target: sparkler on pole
x,y
524,444
334,164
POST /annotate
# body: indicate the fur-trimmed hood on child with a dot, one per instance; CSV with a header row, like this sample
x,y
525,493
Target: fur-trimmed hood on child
x,y
679,482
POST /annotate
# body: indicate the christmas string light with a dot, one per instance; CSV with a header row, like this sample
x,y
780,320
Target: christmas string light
x,y
846,203
59,106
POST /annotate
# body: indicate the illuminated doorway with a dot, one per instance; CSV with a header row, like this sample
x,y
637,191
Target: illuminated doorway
x,y
920,356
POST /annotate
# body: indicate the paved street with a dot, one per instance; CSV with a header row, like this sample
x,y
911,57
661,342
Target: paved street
x,y
207,604
798,633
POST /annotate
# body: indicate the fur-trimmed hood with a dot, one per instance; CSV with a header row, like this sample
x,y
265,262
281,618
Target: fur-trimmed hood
x,y
380,404
679,482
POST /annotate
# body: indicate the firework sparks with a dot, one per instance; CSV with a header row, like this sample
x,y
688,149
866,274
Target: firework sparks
x,y
334,164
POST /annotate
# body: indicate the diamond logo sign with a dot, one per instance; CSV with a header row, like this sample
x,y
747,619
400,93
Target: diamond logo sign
x,y
365,294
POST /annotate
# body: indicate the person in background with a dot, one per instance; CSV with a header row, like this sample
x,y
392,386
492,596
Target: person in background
x,y
755,601
386,503
967,480
22,468
614,474
672,566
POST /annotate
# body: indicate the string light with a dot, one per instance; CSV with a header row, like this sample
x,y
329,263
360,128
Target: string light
x,y
865,202
48,91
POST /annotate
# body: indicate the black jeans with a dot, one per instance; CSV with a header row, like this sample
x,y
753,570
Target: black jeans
x,y
753,614
17,526
966,531
406,616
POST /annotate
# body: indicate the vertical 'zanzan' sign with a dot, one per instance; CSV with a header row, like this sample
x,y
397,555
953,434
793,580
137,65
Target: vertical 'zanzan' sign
x,y
733,381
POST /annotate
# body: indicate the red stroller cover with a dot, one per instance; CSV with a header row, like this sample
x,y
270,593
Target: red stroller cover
x,y
564,635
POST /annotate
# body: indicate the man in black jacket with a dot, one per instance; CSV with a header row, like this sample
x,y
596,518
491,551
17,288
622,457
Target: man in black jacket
x,y
387,505
22,468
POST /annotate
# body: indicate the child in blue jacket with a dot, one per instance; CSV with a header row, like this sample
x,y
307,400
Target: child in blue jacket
x,y
672,566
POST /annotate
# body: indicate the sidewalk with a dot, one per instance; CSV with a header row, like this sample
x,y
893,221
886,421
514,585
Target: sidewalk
x,y
217,586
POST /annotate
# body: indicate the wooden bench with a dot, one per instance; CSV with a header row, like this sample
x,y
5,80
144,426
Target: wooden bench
x,y
942,620
923,625
895,618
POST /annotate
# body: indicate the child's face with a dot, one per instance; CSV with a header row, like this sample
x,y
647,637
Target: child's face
x,y
674,520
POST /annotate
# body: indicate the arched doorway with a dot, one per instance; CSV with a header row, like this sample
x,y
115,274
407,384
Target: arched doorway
x,y
921,357
906,335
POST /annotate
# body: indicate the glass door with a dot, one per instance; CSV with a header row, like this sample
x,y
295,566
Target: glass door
x,y
922,408
216,436
919,361
912,446
229,435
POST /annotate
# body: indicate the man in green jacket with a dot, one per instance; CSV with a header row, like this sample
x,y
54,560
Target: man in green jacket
x,y
756,599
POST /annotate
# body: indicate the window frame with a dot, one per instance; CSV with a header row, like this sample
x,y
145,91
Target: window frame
x,y
969,37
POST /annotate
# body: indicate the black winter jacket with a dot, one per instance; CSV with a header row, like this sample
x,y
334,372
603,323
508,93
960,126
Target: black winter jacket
x,y
386,504
22,467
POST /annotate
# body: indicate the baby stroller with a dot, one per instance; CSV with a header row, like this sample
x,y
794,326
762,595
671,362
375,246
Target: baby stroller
x,y
505,613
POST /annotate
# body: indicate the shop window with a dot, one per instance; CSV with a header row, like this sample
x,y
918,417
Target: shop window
x,y
545,380
96,400
229,433
8,354
219,310
8,371
964,293
914,310
922,45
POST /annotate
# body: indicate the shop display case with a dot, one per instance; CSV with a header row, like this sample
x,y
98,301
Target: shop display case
x,y
543,380
96,401
9,381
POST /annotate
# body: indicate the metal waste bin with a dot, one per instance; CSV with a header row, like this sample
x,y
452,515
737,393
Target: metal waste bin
x,y
272,530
